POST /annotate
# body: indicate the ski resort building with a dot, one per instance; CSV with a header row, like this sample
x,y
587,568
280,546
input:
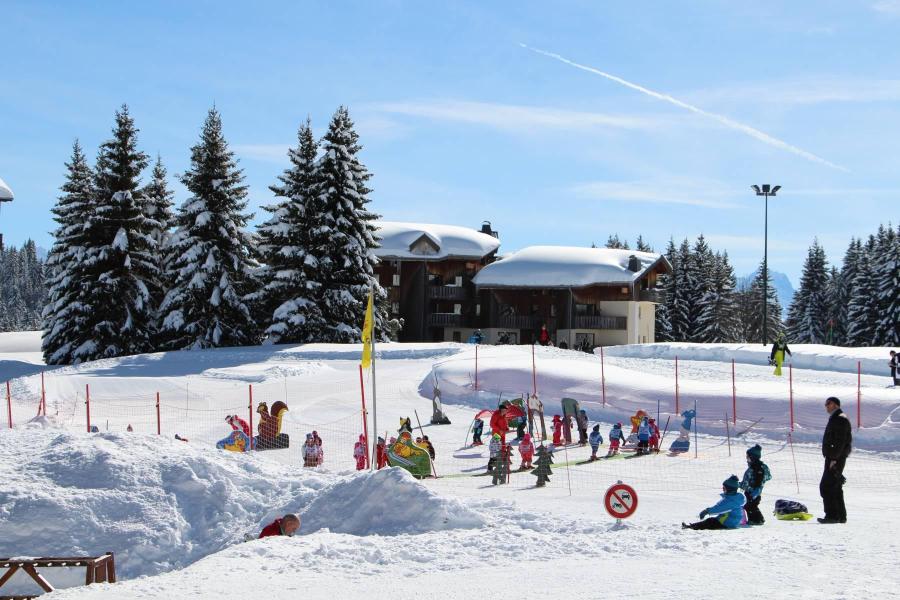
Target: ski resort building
x,y
586,297
446,281
428,272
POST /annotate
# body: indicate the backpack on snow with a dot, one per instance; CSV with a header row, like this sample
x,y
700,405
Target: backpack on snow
x,y
791,510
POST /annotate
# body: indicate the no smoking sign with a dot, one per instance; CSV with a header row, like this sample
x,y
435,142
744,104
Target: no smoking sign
x,y
620,500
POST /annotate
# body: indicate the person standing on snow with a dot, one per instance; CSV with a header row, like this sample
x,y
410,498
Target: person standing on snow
x,y
596,439
755,477
286,525
381,459
544,336
895,367
499,424
311,452
616,437
654,435
428,446
728,512
836,447
526,451
477,428
494,452
643,437
779,349
557,430
359,453
581,420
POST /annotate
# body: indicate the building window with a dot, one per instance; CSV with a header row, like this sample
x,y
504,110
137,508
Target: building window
x,y
477,310
457,309
585,310
552,310
395,307
396,281
458,280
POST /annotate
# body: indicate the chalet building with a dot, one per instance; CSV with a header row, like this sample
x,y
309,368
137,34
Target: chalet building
x,y
446,282
428,271
585,296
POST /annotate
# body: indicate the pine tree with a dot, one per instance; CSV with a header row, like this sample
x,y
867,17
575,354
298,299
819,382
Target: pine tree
x,y
120,257
289,300
887,273
807,321
542,463
348,260
209,261
836,296
614,242
717,320
158,210
64,317
752,310
641,246
700,275
684,277
862,310
849,268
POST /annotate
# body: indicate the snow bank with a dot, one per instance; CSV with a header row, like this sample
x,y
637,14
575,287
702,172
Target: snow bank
x,y
874,361
388,502
159,504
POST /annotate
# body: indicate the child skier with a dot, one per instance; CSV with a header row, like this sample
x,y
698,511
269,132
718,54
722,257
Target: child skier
x,y
654,435
595,439
755,477
557,430
428,446
526,451
729,511
581,419
477,428
616,437
381,459
493,452
311,452
359,453
643,437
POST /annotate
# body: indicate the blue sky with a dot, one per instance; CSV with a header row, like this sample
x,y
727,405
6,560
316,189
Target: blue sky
x,y
461,123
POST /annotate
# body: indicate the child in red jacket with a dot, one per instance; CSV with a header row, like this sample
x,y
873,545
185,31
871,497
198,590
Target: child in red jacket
x,y
526,451
557,430
359,453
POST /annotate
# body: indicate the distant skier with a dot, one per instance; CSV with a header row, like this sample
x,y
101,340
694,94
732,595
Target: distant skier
x,y
895,367
616,437
596,439
493,452
526,451
477,429
643,437
359,453
557,430
581,419
728,512
654,435
779,349
755,477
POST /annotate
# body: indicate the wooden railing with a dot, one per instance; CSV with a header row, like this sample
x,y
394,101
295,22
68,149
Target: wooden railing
x,y
447,292
600,322
100,569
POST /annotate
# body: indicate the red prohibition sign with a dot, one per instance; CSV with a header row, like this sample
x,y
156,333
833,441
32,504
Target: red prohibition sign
x,y
620,501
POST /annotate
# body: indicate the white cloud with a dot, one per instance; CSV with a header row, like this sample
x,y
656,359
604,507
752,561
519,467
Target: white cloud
x,y
888,7
668,192
802,92
511,117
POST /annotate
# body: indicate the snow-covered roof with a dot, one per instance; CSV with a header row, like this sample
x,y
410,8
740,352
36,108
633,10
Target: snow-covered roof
x,y
425,241
5,193
565,266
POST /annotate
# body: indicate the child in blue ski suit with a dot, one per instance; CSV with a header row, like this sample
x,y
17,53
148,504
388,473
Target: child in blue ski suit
x,y
644,437
595,440
616,437
729,511
755,477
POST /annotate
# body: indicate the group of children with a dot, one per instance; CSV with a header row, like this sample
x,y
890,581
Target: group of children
x,y
312,450
735,509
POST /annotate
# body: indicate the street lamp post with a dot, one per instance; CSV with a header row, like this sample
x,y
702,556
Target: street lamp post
x,y
766,190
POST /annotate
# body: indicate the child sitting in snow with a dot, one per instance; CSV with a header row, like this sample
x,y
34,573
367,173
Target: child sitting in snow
x,y
728,512
526,451
494,452
595,440
616,437
557,430
755,477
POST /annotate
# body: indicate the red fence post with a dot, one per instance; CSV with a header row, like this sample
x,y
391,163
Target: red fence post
x,y
87,403
858,394
602,377
533,371
476,367
250,409
158,424
677,411
733,395
8,406
365,415
791,385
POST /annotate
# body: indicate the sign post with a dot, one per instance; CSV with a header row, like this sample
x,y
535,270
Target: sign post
x,y
620,501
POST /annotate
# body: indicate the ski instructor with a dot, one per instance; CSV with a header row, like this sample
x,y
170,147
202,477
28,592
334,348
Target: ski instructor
x,y
836,446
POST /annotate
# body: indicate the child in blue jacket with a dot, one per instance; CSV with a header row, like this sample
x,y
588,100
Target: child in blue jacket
x,y
728,512
755,477
595,439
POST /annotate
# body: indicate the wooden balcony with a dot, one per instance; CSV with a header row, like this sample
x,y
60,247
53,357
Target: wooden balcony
x,y
447,292
447,320
600,322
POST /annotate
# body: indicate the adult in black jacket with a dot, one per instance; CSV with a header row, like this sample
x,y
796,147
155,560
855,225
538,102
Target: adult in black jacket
x,y
836,446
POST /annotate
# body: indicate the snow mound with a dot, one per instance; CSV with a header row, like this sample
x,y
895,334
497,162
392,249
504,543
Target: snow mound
x,y
387,502
159,504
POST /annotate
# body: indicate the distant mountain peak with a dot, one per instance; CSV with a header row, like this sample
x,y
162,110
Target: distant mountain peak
x,y
783,288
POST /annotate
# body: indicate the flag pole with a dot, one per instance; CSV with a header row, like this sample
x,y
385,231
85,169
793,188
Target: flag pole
x,y
374,397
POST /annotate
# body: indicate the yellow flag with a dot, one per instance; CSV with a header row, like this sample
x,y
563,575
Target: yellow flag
x,y
367,332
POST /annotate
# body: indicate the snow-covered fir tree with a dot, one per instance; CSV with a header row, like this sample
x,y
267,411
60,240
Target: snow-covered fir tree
x,y
717,319
862,310
887,275
63,317
641,246
614,242
678,290
209,256
158,210
120,255
22,290
751,310
290,243
807,321
836,295
699,266
347,266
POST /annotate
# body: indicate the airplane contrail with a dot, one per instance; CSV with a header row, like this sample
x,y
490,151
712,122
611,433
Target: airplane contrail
x,y
754,133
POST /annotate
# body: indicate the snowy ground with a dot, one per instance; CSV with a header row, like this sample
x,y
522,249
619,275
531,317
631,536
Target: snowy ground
x,y
176,513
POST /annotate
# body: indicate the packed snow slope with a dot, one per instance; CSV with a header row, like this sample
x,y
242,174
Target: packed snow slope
x,y
178,512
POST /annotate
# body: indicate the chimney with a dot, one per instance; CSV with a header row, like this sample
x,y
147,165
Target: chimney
x,y
634,265
486,228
